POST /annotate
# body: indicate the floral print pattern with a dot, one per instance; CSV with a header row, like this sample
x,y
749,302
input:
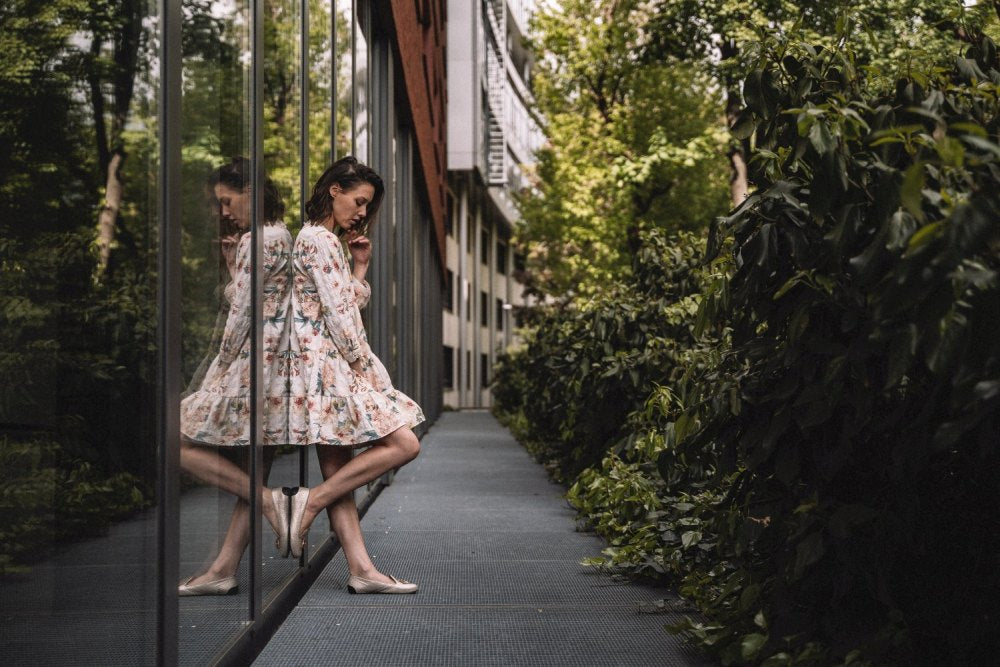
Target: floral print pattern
x,y
330,403
218,412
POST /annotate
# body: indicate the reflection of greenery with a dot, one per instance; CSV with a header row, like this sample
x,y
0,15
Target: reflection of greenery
x,y
282,98
47,497
77,333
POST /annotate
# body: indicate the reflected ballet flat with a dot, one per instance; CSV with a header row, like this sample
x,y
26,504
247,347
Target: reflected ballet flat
x,y
356,584
282,509
224,586
296,541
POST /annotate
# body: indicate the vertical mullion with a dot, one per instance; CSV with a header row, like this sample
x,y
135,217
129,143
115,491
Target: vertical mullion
x,y
304,99
354,73
256,370
333,79
168,331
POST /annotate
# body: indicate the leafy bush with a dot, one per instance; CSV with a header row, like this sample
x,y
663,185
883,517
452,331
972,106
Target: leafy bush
x,y
569,390
826,446
864,308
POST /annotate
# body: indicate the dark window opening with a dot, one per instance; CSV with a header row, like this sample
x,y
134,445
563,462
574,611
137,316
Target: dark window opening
x,y
449,367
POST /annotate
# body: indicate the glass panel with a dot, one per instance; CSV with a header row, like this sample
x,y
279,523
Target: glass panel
x,y
344,86
78,326
216,292
322,135
283,87
362,30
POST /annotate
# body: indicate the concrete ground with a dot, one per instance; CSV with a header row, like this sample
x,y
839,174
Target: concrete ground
x,y
494,547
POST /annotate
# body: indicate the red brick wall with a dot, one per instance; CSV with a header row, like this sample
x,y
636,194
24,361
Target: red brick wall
x,y
420,35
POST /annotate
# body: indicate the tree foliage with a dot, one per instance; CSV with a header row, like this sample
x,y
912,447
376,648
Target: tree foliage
x,y
636,97
632,145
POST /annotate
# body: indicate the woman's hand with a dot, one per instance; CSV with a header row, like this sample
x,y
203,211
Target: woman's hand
x,y
361,254
227,244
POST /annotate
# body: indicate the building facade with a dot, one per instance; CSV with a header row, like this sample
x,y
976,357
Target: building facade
x,y
116,262
492,137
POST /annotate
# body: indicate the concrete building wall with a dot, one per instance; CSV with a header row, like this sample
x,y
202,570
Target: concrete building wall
x,y
492,137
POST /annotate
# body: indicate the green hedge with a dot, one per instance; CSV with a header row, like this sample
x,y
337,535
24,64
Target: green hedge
x,y
818,469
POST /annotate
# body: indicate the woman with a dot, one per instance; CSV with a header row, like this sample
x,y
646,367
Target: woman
x,y
218,412
342,397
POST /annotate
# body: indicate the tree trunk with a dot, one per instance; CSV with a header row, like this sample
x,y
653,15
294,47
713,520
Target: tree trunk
x,y
108,216
738,185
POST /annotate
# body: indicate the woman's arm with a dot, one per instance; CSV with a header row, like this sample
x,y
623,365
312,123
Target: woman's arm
x,y
238,293
327,270
361,255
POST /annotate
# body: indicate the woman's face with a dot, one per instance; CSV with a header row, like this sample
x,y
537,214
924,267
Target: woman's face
x,y
234,205
351,206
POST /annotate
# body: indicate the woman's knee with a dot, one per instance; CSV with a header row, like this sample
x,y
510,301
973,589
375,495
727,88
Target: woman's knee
x,y
407,443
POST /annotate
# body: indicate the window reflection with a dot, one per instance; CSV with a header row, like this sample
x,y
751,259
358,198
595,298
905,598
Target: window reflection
x,y
78,312
217,411
216,247
344,86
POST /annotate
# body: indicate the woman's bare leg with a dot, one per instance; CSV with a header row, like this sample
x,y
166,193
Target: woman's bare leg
x,y
397,448
344,519
237,536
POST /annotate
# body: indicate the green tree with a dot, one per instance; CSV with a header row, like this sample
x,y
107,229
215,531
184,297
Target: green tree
x,y
632,145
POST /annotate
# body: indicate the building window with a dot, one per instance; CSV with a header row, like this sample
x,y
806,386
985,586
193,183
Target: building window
x,y
484,370
465,299
501,257
519,263
499,314
468,369
449,290
449,367
484,309
484,246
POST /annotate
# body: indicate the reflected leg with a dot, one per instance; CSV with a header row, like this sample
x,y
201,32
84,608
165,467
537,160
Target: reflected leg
x,y
209,467
344,519
237,536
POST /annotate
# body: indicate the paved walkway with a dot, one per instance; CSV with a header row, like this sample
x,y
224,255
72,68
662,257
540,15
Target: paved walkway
x,y
492,544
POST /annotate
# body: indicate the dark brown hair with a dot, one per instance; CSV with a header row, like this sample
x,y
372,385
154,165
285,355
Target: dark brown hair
x,y
238,174
348,173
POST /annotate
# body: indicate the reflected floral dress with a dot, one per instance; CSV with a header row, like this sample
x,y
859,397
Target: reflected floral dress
x,y
218,411
331,404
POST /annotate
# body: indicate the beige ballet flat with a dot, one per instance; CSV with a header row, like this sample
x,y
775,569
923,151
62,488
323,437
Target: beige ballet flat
x,y
356,584
297,541
224,586
282,510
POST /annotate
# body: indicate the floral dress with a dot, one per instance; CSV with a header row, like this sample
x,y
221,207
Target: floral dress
x,y
331,404
218,412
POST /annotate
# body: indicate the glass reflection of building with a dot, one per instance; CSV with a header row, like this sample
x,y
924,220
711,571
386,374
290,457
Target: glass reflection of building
x,y
113,293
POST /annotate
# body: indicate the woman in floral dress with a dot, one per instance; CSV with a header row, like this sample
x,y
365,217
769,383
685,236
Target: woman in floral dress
x,y
217,413
341,395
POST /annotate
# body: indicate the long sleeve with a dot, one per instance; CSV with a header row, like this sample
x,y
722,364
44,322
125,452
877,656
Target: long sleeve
x,y
238,293
362,291
331,276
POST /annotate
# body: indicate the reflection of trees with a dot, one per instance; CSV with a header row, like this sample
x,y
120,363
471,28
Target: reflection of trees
x,y
111,65
78,145
76,355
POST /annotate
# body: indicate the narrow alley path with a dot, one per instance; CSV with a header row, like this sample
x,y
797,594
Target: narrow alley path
x,y
491,542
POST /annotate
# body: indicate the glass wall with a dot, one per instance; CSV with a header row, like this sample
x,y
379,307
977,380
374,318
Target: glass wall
x,y
80,202
155,158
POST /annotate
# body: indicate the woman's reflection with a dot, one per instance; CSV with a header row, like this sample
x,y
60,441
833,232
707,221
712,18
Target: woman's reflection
x,y
217,414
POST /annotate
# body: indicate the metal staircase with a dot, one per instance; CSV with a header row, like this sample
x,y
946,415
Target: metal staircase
x,y
496,148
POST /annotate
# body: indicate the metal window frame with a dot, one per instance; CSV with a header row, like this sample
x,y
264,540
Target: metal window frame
x,y
168,296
